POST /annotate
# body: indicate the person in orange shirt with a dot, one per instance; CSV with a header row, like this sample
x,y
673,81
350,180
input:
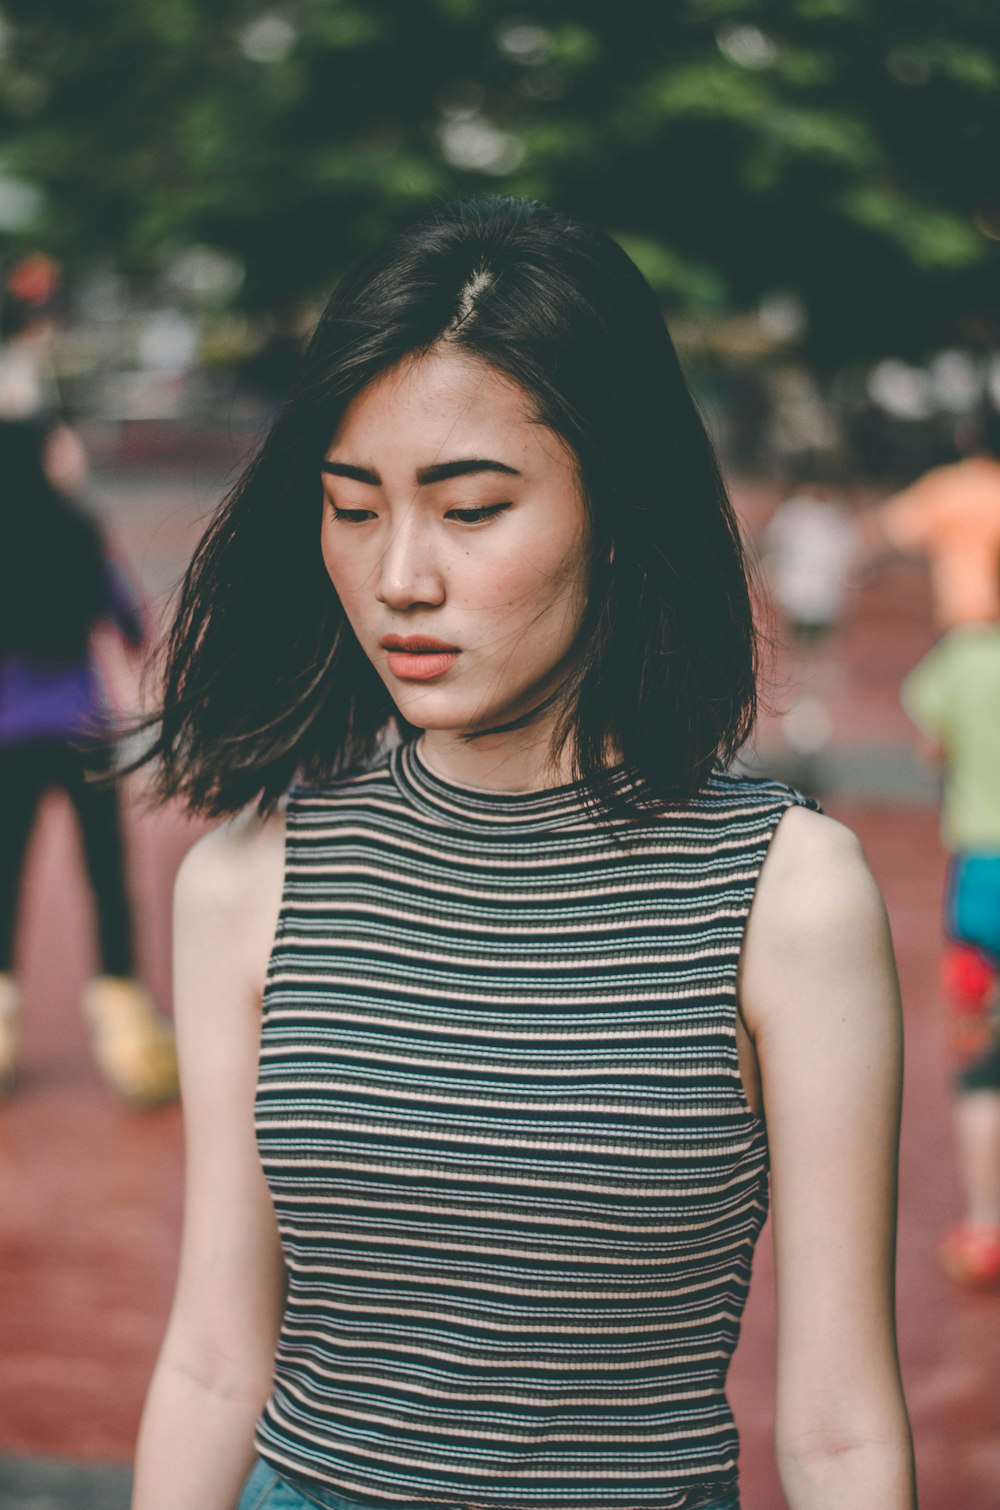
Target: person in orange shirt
x,y
951,516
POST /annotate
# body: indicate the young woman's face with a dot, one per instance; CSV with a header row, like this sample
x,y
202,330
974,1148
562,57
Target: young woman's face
x,y
456,537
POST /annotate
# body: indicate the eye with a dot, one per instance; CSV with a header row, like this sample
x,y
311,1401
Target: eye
x,y
482,515
351,516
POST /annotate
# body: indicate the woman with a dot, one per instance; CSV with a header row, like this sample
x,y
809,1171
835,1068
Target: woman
x,y
514,1056
56,585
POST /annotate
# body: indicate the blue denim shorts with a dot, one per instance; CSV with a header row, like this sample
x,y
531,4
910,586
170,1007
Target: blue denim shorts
x,y
267,1490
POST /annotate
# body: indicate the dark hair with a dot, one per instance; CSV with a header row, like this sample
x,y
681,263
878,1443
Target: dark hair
x,y
51,559
263,676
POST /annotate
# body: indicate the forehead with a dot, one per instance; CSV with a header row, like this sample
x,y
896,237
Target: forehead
x,y
440,405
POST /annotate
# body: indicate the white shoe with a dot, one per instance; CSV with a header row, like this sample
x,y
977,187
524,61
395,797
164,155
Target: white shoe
x,y
133,1045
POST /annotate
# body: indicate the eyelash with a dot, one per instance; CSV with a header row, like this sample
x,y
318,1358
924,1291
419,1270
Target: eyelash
x,y
484,515
350,516
480,516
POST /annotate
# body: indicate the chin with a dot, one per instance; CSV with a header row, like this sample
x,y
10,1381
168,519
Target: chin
x,y
443,720
436,709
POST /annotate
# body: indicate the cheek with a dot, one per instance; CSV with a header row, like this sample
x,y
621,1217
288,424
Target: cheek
x,y
339,568
327,553
535,584
532,572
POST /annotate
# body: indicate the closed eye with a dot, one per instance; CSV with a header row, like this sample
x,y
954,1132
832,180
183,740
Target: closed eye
x,y
352,516
478,516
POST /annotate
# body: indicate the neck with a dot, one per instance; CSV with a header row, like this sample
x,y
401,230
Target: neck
x,y
518,761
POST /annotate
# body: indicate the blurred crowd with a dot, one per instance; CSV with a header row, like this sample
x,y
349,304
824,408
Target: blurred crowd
x,y
816,550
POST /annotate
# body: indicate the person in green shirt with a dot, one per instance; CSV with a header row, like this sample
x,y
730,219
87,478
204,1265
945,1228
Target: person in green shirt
x,y
953,696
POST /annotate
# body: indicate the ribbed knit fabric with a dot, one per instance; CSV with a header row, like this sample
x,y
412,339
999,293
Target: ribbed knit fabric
x,y
500,1113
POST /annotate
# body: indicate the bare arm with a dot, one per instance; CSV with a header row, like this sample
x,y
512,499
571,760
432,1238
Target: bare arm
x,y
214,1369
900,525
818,990
931,750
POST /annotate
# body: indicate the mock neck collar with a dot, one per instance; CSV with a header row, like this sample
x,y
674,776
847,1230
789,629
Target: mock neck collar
x,y
460,806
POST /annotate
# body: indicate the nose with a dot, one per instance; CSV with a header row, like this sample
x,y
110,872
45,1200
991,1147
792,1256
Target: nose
x,y
409,573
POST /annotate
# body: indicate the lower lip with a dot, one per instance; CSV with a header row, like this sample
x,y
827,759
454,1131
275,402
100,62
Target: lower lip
x,y
420,666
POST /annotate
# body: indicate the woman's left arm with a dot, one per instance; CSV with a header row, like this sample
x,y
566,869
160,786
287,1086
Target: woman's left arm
x,y
819,996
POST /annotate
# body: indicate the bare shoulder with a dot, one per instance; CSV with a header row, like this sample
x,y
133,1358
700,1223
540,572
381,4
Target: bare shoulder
x,y
817,912
228,892
232,863
815,873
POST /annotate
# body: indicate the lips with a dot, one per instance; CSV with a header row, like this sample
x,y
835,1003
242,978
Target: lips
x,y
417,644
418,657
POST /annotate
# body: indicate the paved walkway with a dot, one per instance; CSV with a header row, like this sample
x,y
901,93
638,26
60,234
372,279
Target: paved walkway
x,y
92,1192
62,1484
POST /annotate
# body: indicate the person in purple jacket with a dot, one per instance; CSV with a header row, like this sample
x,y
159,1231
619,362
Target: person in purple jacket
x,y
56,585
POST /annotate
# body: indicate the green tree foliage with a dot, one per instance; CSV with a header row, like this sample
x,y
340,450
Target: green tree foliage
x,y
845,150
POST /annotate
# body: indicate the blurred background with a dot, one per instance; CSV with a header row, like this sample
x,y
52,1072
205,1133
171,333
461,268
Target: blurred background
x,y
812,187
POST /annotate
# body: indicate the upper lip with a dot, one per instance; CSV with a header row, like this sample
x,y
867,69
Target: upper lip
x,y
414,643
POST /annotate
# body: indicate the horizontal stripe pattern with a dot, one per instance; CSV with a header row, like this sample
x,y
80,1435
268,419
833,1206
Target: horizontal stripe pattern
x,y
500,1113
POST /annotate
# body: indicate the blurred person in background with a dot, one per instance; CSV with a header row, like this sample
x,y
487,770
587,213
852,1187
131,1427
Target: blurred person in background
x,y
810,548
481,1085
29,301
56,585
951,516
953,696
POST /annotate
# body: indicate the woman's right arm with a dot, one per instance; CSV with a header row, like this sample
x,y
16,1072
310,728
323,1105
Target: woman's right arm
x,y
214,1369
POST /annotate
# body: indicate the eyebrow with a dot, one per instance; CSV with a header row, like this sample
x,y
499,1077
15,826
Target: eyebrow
x,y
442,471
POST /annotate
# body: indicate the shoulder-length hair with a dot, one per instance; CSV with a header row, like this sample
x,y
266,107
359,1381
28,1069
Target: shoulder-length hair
x,y
264,680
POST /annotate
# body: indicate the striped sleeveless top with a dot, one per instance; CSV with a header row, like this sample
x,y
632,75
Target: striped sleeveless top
x,y
500,1113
